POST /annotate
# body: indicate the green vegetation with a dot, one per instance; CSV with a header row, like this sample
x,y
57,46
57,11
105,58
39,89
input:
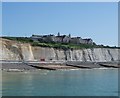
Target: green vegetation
x,y
64,46
20,39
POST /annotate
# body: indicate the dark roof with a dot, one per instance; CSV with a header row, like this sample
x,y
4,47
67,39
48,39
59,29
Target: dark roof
x,y
88,39
60,36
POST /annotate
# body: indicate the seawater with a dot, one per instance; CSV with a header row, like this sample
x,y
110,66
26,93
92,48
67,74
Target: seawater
x,y
84,82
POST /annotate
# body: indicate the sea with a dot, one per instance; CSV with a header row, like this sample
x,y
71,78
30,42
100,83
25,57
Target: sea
x,y
82,82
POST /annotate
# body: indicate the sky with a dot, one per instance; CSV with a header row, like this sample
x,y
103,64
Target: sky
x,y
98,21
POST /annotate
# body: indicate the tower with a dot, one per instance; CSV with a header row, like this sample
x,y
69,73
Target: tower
x,y
69,35
58,34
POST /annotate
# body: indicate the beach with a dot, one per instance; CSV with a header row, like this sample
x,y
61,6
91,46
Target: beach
x,y
22,66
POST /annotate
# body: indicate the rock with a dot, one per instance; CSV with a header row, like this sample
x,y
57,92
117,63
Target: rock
x,y
11,50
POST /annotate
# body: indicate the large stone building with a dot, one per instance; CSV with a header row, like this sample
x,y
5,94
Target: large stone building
x,y
61,39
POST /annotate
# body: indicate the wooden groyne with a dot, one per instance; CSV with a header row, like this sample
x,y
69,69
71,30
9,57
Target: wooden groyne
x,y
88,65
51,66
40,67
110,65
78,66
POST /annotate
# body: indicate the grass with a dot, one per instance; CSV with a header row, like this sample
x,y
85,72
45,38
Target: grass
x,y
64,46
20,39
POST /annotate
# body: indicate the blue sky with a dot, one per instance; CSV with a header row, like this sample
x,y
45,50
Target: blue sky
x,y
98,21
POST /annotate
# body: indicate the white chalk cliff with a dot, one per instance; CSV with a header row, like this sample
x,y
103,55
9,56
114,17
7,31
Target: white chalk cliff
x,y
11,50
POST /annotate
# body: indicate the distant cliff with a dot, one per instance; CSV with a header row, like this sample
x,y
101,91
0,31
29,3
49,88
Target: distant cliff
x,y
12,50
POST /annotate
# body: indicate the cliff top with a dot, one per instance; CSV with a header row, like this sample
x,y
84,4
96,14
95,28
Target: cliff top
x,y
64,46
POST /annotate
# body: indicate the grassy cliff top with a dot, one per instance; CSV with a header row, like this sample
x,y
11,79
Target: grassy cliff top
x,y
64,46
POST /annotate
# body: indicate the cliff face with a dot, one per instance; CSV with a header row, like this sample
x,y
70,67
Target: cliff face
x,y
10,50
